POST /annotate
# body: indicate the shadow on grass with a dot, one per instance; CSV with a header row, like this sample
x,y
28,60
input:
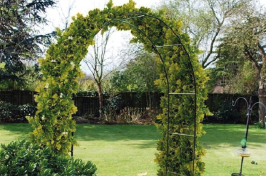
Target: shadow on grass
x,y
112,133
142,136
231,135
17,128
216,134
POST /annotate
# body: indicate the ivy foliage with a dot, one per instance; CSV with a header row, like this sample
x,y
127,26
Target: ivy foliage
x,y
53,122
181,111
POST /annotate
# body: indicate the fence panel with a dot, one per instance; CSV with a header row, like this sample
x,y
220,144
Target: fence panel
x,y
17,97
88,104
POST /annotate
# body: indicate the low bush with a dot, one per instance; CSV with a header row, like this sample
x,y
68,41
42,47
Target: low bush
x,y
24,158
14,113
227,114
26,110
7,111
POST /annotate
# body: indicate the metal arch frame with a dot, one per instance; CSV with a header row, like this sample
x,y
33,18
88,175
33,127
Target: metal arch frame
x,y
140,15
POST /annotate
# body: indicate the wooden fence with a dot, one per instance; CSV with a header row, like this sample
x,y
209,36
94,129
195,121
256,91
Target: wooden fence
x,y
17,97
88,104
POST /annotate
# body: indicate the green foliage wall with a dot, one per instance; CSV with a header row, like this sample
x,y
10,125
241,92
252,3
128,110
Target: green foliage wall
x,y
53,121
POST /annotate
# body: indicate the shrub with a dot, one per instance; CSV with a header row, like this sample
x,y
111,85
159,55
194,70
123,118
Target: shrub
x,y
14,113
26,110
25,158
227,114
112,108
7,111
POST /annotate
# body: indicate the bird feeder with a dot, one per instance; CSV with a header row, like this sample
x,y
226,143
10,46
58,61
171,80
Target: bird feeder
x,y
244,151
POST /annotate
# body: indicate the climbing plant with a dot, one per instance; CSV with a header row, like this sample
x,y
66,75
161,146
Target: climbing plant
x,y
53,122
177,128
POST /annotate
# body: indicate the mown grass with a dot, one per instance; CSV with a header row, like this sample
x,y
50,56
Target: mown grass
x,y
125,150
221,142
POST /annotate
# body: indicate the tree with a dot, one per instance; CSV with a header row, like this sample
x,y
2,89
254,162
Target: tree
x,y
86,83
64,12
232,70
99,63
19,40
138,76
204,21
245,81
31,78
247,34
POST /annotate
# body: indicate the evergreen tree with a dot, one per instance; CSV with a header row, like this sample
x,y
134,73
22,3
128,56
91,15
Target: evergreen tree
x,y
19,39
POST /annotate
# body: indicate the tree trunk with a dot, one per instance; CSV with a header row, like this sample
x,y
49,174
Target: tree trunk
x,y
100,95
262,91
262,99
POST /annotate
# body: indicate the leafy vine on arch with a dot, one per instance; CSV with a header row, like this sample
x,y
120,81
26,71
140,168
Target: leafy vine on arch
x,y
53,121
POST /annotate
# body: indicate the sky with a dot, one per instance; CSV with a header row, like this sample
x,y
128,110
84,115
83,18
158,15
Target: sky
x,y
59,15
84,6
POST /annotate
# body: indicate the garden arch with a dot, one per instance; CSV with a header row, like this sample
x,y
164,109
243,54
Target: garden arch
x,y
181,80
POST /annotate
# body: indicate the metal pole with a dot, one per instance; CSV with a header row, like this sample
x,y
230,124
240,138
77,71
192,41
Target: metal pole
x,y
246,134
242,161
248,117
168,120
72,148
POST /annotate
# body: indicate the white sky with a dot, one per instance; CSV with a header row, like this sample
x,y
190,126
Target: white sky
x,y
57,17
84,6
118,39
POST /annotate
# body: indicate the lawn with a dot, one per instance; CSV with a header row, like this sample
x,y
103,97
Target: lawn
x,y
125,150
